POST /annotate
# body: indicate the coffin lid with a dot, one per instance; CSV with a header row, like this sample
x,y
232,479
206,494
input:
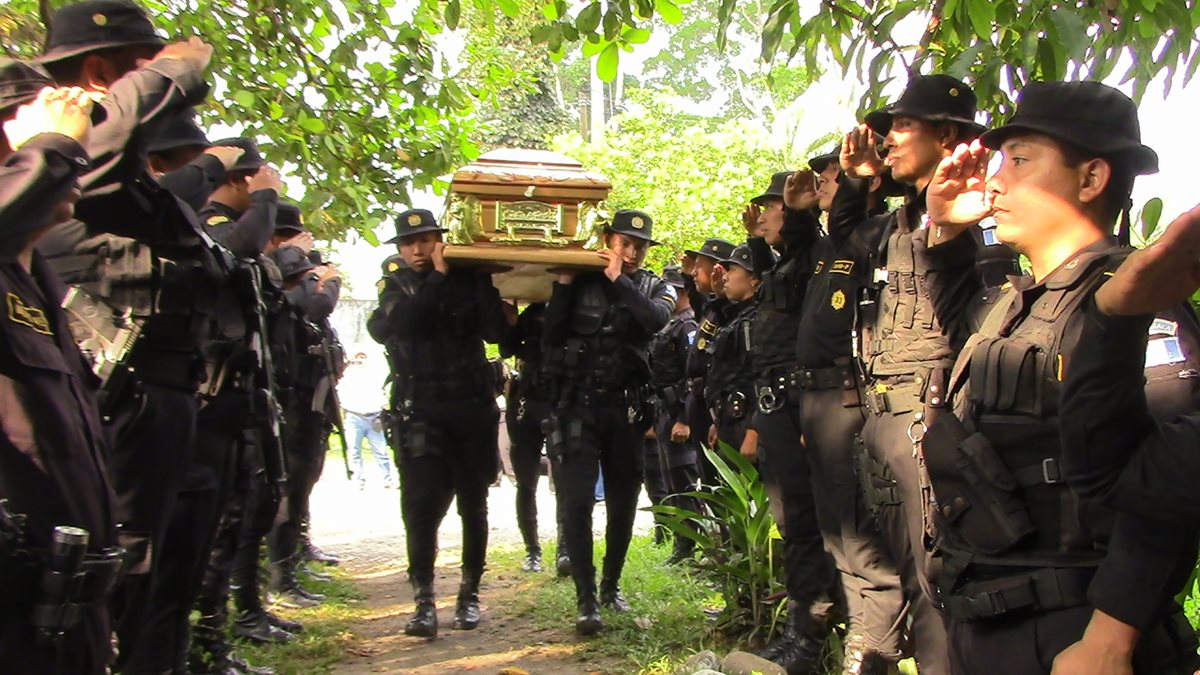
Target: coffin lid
x,y
514,166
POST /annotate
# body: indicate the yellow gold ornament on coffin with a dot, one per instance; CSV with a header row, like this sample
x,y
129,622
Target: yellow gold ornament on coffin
x,y
837,300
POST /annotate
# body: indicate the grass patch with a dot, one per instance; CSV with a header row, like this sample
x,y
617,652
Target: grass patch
x,y
668,622
328,630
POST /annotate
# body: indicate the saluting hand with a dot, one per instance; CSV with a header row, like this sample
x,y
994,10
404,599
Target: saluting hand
x,y
718,278
65,111
302,241
687,264
859,157
800,190
957,196
750,217
227,154
266,178
194,51
439,258
1158,277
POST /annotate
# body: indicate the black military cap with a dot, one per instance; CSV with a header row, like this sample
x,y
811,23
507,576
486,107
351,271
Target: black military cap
x,y
821,162
1089,115
178,131
743,257
315,257
673,275
292,261
934,98
251,159
714,248
288,218
414,221
775,189
393,263
636,224
93,25
20,82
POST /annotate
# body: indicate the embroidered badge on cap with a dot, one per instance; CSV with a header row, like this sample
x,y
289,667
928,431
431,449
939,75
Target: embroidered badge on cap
x,y
953,91
99,19
414,220
637,222
837,300
20,312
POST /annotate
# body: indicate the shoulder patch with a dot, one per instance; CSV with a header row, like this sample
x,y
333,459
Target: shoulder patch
x,y
1164,351
669,293
217,219
380,285
21,312
1164,327
691,337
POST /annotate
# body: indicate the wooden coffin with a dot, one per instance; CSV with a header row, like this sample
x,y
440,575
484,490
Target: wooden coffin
x,y
524,213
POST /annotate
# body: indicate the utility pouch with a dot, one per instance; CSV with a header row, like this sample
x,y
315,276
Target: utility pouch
x,y
419,438
977,495
552,429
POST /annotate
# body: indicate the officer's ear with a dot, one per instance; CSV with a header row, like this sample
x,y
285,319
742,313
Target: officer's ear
x,y
1094,176
949,134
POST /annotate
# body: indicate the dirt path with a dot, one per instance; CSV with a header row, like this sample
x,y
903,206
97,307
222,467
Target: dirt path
x,y
365,527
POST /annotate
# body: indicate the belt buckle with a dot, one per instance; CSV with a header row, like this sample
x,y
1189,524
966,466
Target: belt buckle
x,y
1050,471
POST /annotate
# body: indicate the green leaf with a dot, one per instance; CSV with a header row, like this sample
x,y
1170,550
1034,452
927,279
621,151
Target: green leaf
x,y
312,125
589,18
591,48
550,11
983,14
541,34
669,11
1151,215
244,98
636,36
606,63
510,8
1072,34
612,24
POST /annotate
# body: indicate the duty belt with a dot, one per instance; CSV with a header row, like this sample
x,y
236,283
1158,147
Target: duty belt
x,y
777,388
614,398
835,377
731,405
1041,590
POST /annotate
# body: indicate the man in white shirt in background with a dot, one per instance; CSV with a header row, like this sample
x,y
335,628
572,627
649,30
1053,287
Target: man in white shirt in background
x,y
361,391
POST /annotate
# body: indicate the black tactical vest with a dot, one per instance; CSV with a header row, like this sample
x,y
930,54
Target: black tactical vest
x,y
1007,384
607,349
777,321
668,361
901,334
732,352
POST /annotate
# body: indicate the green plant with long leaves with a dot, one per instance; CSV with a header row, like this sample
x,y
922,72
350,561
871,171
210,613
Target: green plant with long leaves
x,y
738,545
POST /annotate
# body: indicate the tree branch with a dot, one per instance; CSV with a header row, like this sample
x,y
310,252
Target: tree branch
x,y
879,36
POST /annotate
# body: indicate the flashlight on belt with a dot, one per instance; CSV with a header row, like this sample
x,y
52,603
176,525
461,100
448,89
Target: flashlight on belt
x,y
53,612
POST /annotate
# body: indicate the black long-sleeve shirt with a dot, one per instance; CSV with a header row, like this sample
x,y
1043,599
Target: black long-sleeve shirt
x,y
195,182
245,233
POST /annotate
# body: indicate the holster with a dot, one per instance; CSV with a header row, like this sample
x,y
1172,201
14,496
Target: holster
x,y
978,497
418,438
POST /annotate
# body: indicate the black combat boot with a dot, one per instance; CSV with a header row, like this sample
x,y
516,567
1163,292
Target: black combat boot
x,y
243,667
801,655
310,551
682,551
251,622
588,622
315,574
290,626
466,612
562,565
424,623
285,590
611,598
777,646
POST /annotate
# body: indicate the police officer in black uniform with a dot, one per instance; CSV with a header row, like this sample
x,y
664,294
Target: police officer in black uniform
x,y
704,280
240,216
729,385
1024,553
832,417
527,407
905,346
678,448
185,162
433,319
597,331
148,398
57,508
313,291
774,430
